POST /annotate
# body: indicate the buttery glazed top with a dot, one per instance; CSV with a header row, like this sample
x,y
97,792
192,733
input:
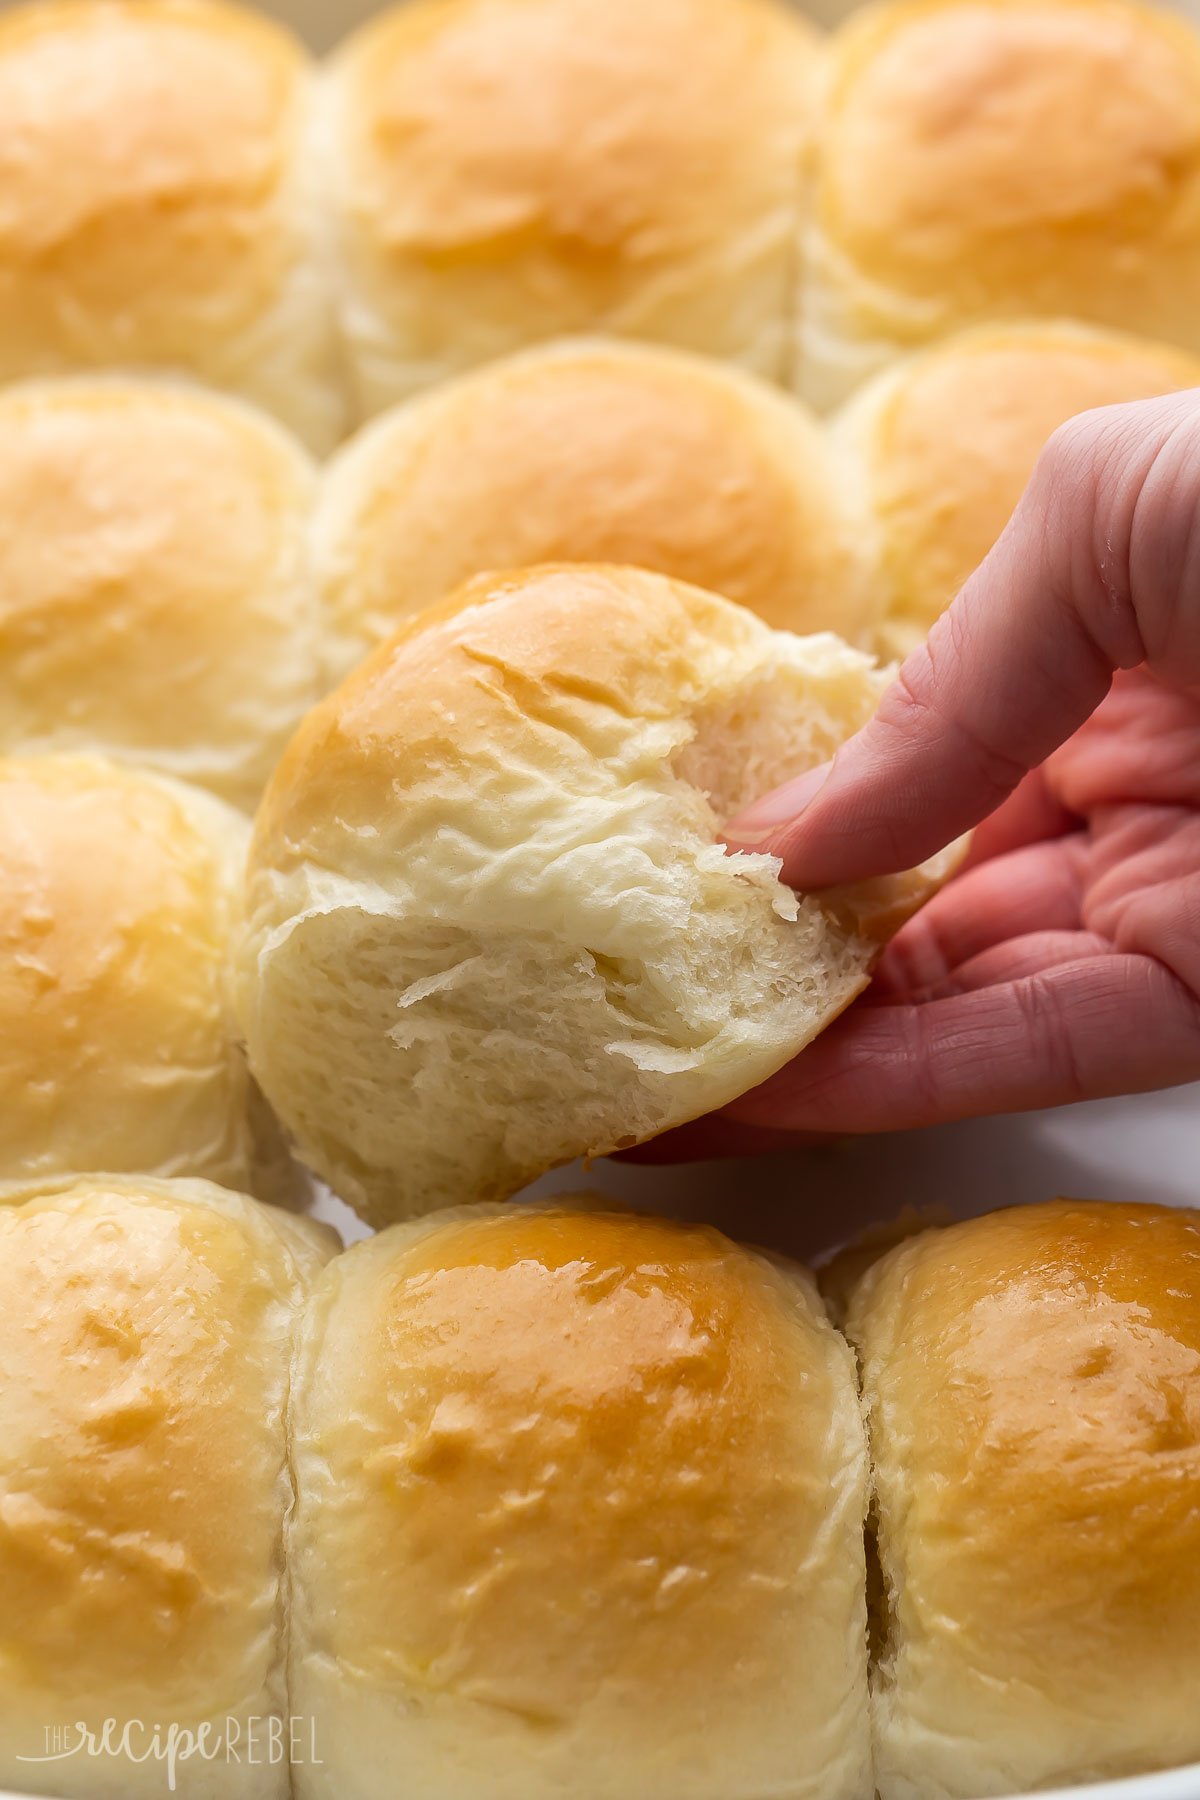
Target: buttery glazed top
x,y
144,1337
598,1447
115,912
142,153
1009,156
565,680
590,452
949,440
610,161
508,671
1033,1380
153,594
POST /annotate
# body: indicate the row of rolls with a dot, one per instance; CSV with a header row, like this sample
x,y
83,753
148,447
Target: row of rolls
x,y
545,1500
185,190
179,582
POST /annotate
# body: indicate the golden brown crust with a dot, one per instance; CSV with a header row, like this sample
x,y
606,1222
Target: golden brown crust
x,y
510,170
435,695
1033,1384
591,452
116,909
155,600
155,209
617,1466
144,1341
988,159
488,661
947,442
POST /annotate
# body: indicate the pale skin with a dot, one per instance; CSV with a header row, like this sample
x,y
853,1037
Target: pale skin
x,y
1058,703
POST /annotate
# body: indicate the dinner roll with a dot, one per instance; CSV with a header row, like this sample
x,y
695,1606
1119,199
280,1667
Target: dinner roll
x,y
508,170
155,598
942,445
580,1511
589,451
983,159
118,1047
490,926
145,1335
1032,1380
158,202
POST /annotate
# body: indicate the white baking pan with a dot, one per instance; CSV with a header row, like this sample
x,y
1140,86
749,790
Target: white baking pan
x,y
1177,1784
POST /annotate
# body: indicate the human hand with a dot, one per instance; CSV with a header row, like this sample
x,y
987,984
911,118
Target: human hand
x,y
1064,963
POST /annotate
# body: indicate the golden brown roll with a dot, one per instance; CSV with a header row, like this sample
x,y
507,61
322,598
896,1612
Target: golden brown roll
x,y
506,171
1032,1381
159,205
580,1504
118,1046
939,448
146,1329
589,452
155,595
490,926
985,159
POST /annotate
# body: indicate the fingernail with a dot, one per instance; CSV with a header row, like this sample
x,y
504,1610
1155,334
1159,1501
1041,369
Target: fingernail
x,y
757,825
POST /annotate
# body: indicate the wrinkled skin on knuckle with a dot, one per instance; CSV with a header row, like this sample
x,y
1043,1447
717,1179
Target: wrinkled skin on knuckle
x,y
1132,773
1165,554
1084,491
1118,494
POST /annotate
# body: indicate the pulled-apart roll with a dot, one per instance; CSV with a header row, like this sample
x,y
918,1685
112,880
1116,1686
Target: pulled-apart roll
x,y
938,450
155,599
146,1331
589,452
579,1511
1032,1383
118,1045
505,171
490,926
981,160
160,202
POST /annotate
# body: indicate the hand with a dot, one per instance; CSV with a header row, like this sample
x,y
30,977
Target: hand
x,y
1064,963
